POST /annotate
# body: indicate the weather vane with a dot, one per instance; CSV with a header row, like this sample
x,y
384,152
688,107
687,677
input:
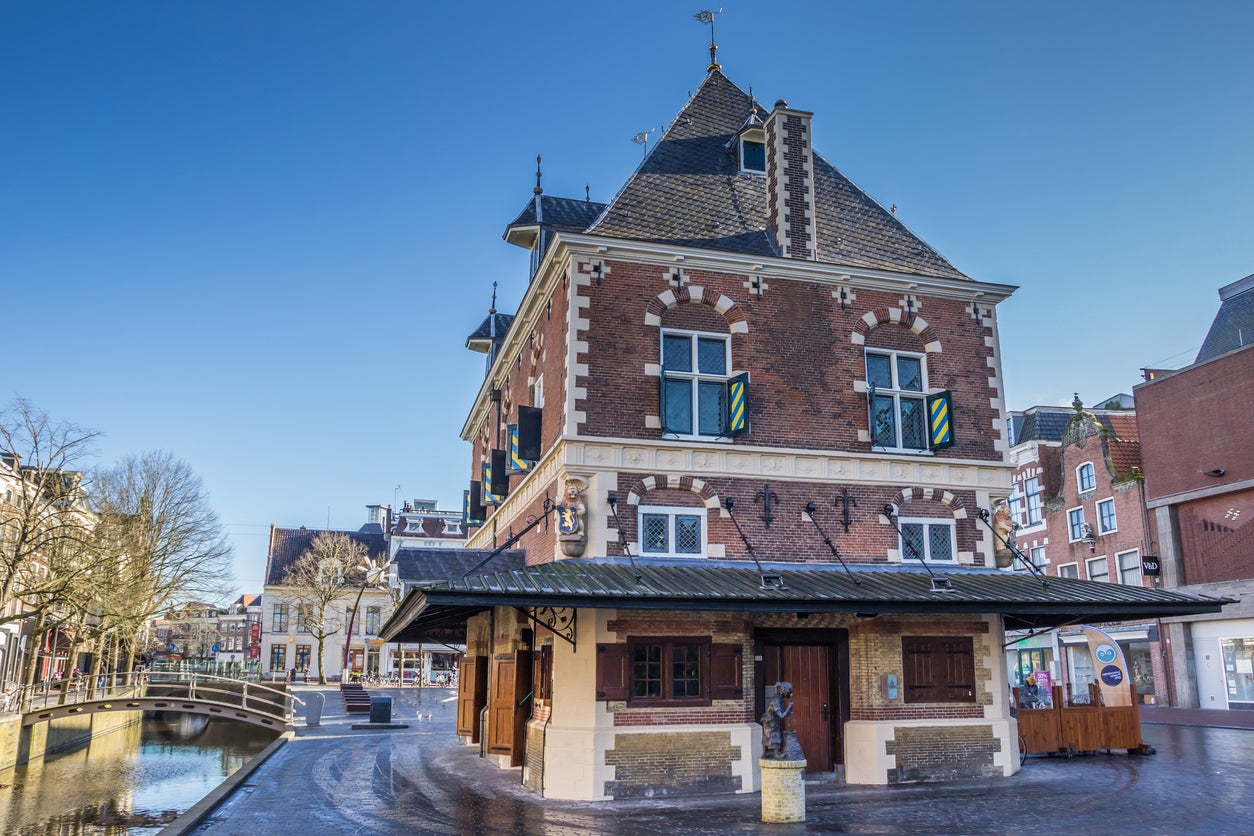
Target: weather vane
x,y
707,16
642,138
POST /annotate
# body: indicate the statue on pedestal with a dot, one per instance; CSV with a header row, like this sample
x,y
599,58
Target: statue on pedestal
x,y
778,743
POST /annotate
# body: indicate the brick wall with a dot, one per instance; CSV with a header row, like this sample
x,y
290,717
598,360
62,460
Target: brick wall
x,y
672,763
943,753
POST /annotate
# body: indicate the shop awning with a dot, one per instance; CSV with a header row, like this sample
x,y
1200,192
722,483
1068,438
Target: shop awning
x,y
439,612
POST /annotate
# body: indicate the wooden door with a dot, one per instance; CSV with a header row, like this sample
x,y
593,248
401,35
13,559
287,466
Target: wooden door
x,y
472,692
501,706
808,667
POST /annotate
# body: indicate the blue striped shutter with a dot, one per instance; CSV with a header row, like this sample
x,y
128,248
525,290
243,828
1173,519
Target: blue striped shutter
x,y
940,427
737,405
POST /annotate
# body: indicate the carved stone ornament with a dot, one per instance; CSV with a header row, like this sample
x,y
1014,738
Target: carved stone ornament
x,y
572,533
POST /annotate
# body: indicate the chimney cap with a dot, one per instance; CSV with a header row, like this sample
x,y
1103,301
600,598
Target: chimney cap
x,y
780,103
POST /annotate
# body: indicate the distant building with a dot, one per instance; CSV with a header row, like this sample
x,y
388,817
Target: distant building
x,y
422,525
1197,434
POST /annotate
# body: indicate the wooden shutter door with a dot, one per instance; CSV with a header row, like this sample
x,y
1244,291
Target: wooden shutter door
x,y
501,706
472,689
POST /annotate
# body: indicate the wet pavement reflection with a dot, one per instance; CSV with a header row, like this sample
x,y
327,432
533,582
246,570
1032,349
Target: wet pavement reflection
x,y
130,781
422,780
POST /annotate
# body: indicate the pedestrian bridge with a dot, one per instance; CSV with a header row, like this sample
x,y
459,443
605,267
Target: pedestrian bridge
x,y
189,693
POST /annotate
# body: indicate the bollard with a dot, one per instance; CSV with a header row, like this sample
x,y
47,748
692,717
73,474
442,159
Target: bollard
x,y
313,708
380,709
783,790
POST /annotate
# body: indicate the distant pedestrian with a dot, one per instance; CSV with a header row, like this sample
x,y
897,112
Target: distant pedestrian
x,y
291,677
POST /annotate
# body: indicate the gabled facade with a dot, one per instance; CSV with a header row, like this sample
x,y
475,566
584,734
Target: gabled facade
x,y
1078,504
742,372
1199,483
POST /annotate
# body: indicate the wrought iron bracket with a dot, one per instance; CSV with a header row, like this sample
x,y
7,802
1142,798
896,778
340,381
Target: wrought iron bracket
x,y
560,620
766,496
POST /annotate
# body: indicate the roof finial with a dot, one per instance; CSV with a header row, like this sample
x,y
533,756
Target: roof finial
x,y
537,189
492,309
707,16
587,192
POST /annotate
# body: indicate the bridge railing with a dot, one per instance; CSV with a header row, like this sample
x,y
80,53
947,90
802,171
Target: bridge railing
x,y
224,690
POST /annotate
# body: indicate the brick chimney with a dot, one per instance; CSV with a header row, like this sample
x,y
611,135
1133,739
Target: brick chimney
x,y
790,182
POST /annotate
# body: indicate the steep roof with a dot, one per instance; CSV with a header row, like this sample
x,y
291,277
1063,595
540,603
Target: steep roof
x,y
433,565
1123,442
288,544
689,191
560,213
1233,326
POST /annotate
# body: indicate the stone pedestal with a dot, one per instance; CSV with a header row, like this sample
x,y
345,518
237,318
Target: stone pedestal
x,y
783,790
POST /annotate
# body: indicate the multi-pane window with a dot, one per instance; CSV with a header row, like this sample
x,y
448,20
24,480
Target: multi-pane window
x,y
930,540
374,619
896,387
1106,516
1129,567
302,657
672,532
303,614
1069,570
350,617
1038,557
694,382
278,657
1032,496
1098,569
279,622
669,670
1085,477
1075,524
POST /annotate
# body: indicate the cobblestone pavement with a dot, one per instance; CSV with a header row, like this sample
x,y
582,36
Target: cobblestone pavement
x,y
332,780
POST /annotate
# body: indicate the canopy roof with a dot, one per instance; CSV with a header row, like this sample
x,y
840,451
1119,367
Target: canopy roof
x,y
439,612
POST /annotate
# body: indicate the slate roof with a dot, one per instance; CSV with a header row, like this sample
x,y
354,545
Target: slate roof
x,y
560,213
1044,424
689,192
706,585
424,566
288,544
484,332
1233,326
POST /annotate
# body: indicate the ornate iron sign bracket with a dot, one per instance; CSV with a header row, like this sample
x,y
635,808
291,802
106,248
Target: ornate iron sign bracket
x,y
561,620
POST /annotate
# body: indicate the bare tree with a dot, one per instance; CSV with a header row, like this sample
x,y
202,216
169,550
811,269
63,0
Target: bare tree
x,y
163,540
328,571
45,524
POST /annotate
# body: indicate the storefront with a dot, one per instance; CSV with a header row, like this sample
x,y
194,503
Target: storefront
x,y
1140,649
1224,651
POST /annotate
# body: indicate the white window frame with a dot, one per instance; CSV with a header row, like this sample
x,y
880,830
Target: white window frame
x,y
1069,570
537,392
1044,558
897,394
1088,568
758,137
1079,478
1016,505
671,511
695,378
1101,528
1032,502
902,522
1136,563
1072,527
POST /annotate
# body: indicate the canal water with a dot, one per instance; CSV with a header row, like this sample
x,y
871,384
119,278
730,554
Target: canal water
x,y
131,781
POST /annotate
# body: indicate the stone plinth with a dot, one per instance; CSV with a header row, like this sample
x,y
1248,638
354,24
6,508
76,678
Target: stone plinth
x,y
783,790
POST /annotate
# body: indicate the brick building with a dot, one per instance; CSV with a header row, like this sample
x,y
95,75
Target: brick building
x,y
1078,502
734,376
1199,479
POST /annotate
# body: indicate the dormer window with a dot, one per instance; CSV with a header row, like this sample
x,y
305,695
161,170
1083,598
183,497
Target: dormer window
x,y
753,152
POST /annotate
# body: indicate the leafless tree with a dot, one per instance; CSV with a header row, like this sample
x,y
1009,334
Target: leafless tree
x,y
45,523
162,540
331,568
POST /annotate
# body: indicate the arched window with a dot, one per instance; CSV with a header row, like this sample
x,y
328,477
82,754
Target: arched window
x,y
1085,478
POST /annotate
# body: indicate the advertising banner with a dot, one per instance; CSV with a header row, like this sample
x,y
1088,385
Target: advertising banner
x,y
1110,666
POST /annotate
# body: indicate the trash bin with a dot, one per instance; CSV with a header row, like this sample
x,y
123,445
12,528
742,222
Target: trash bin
x,y
380,709
314,701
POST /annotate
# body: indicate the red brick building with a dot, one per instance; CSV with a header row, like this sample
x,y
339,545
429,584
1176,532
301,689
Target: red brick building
x,y
742,424
1199,479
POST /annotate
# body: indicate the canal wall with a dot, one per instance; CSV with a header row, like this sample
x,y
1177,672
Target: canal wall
x,y
22,745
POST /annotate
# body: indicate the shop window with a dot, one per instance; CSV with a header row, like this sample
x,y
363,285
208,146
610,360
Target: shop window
x,y
1085,478
302,657
929,540
1098,569
1239,669
1129,567
278,623
672,532
1075,524
1069,570
895,387
938,669
1106,517
681,671
278,657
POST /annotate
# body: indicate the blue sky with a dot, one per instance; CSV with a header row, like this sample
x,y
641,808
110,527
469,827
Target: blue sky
x,y
257,234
